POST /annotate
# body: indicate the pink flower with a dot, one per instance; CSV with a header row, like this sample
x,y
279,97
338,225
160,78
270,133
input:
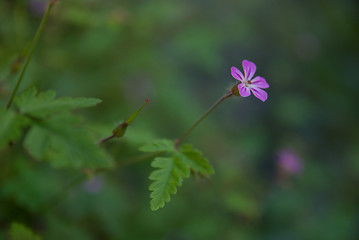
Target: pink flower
x,y
248,84
94,185
289,162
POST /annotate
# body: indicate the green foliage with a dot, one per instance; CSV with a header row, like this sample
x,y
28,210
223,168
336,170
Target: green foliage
x,y
20,232
30,187
59,230
64,143
179,54
195,160
159,145
11,125
55,135
44,103
173,169
166,179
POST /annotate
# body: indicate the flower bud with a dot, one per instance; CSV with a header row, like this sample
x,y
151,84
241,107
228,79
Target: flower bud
x,y
120,130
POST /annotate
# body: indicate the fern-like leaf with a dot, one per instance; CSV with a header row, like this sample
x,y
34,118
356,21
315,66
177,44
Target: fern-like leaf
x,y
64,143
159,145
195,160
11,125
44,103
167,178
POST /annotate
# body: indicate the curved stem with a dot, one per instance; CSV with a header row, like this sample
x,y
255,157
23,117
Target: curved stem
x,y
31,50
184,135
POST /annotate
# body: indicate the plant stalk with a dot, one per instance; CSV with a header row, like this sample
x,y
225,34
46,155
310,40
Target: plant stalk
x,y
189,130
31,50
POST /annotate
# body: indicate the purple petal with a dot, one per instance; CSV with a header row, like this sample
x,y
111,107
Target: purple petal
x,y
260,94
259,82
249,69
243,90
237,74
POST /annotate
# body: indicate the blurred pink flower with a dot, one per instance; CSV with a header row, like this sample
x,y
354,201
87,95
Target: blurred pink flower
x,y
248,84
94,185
37,7
289,162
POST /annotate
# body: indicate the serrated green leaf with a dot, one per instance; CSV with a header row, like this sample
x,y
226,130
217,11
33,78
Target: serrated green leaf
x,y
11,125
44,103
64,143
195,160
20,232
167,178
159,145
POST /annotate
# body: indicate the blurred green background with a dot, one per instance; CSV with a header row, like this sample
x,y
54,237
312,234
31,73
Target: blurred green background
x,y
285,169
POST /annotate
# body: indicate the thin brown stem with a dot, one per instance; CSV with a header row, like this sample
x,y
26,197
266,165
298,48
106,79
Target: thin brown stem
x,y
184,135
102,141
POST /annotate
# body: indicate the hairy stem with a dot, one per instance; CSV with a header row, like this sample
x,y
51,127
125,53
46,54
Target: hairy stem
x,y
30,52
189,130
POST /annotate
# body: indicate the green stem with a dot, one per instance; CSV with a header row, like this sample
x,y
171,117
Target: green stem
x,y
184,135
31,50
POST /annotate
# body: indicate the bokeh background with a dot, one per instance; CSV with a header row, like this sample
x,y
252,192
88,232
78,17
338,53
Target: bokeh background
x,y
285,169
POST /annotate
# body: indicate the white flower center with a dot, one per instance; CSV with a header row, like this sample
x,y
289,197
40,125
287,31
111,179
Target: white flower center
x,y
247,82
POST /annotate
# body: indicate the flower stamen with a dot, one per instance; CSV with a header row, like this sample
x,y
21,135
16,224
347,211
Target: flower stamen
x,y
247,82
